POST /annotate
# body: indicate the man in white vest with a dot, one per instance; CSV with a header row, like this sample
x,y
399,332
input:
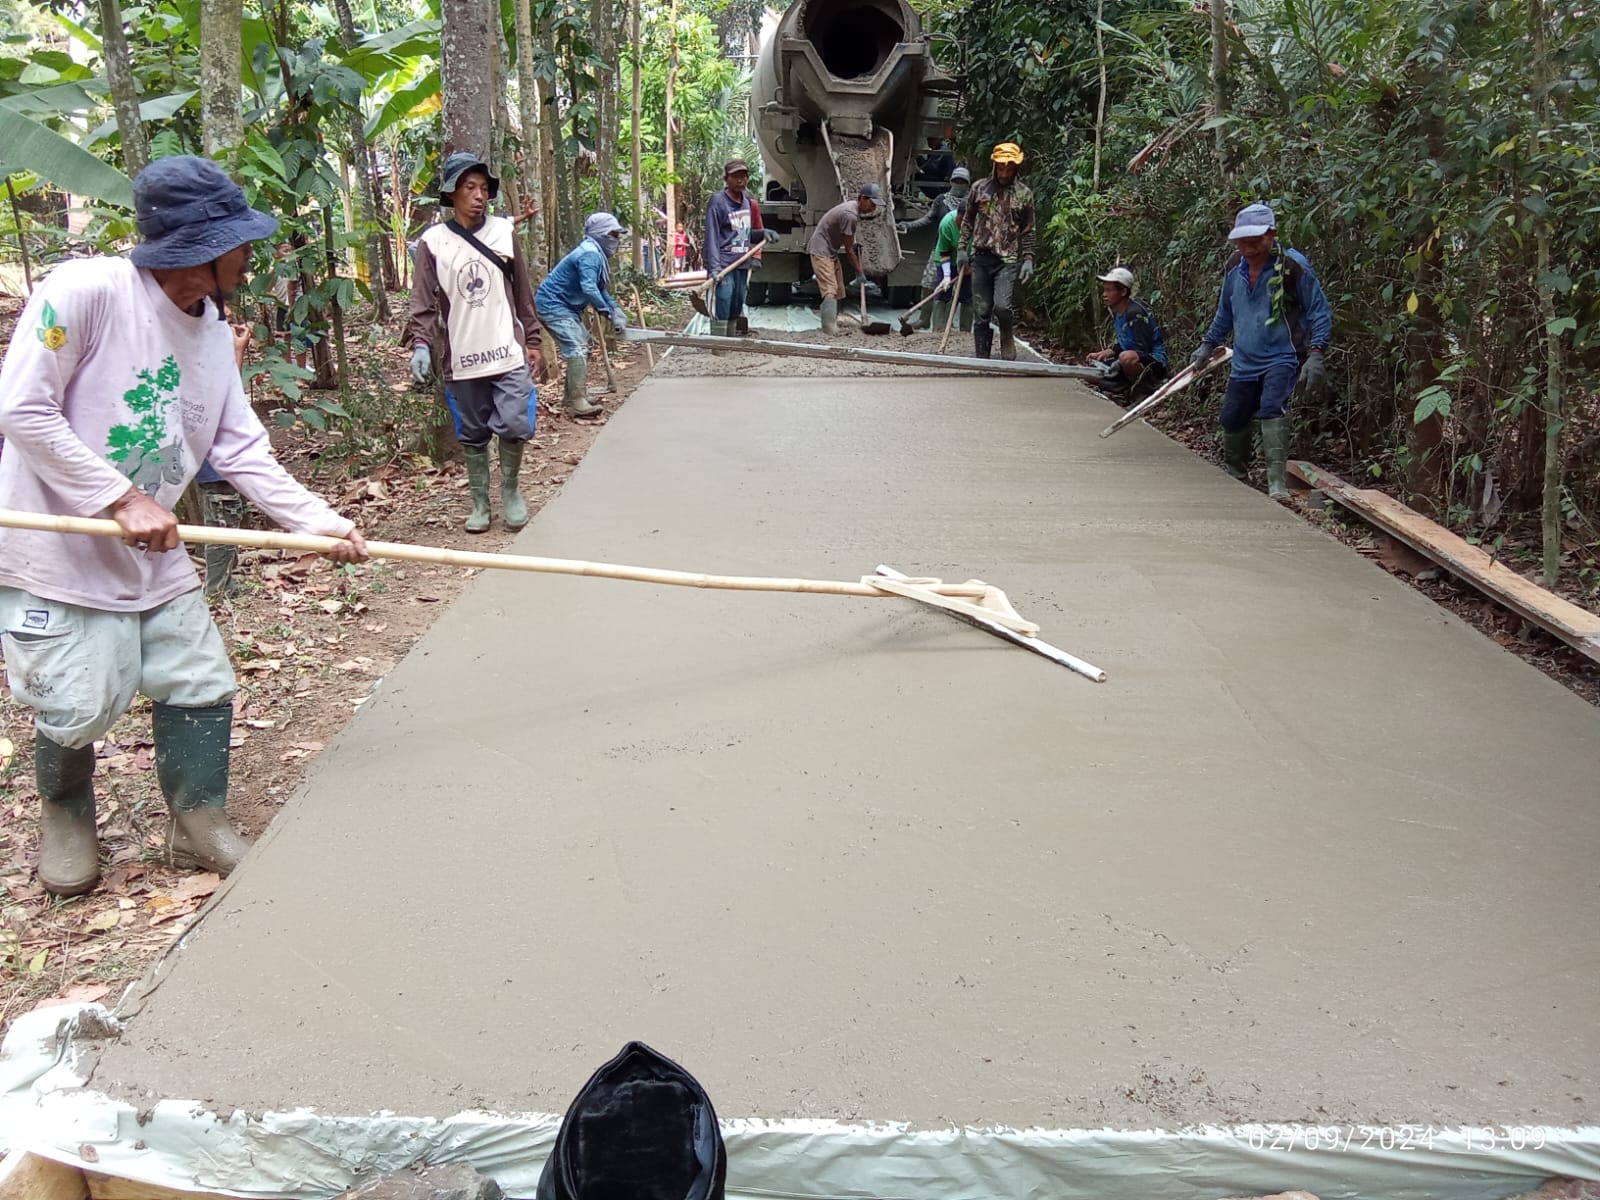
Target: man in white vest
x,y
471,294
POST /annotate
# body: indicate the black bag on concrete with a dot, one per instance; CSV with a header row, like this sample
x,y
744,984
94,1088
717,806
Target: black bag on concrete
x,y
642,1128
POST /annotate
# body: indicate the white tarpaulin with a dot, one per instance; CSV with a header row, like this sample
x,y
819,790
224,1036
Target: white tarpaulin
x,y
46,1108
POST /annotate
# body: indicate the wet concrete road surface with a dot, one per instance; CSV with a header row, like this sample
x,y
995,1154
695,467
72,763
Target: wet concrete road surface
x,y
1317,851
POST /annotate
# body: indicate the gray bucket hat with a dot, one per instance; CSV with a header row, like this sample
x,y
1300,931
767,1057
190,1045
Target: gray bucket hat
x,y
457,165
190,213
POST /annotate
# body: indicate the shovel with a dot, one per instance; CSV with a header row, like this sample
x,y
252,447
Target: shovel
x,y
906,327
876,328
699,298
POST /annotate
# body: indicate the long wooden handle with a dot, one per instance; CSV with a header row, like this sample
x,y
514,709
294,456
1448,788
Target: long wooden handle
x,y
736,264
955,305
305,543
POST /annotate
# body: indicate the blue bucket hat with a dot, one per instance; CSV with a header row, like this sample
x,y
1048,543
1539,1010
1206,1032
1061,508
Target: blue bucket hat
x,y
457,165
1255,220
190,213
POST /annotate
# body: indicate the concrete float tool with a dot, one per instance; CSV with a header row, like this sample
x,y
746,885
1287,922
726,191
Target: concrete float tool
x,y
978,603
1169,389
863,354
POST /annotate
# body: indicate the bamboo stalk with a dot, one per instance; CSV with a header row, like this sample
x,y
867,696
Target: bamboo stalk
x,y
305,543
638,307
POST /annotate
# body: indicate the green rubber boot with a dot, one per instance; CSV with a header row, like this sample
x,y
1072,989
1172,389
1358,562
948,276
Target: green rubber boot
x,y
192,769
964,317
941,315
1237,445
575,390
1276,435
69,848
478,482
830,317
512,506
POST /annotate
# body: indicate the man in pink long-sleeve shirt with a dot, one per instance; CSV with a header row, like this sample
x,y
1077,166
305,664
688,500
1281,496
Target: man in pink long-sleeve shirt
x,y
119,382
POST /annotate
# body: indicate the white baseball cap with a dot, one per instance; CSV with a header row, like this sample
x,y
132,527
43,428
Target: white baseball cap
x,y
1118,275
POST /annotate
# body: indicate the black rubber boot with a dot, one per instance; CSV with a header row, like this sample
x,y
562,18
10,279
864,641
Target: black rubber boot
x,y
69,848
982,340
192,768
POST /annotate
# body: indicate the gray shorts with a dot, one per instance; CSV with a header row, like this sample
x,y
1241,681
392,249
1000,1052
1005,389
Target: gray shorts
x,y
80,668
502,405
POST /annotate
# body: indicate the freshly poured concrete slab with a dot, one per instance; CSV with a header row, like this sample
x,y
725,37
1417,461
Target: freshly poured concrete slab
x,y
1316,852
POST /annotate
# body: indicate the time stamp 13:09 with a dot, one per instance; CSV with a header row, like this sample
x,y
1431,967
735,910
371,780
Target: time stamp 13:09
x,y
1483,1139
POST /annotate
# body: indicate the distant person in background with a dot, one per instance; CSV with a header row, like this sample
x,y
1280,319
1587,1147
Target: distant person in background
x,y
582,280
285,291
680,250
935,167
733,225
835,232
943,206
221,506
1137,364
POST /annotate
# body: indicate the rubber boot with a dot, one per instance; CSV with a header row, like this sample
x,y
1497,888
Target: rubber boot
x,y
69,849
941,315
1275,437
927,318
964,317
1237,445
478,481
982,340
719,328
222,508
192,768
830,317
513,508
576,389
1008,344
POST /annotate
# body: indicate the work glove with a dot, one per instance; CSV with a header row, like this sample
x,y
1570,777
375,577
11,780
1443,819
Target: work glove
x,y
1314,375
1026,273
421,364
1200,357
901,227
619,320
963,257
770,235
945,271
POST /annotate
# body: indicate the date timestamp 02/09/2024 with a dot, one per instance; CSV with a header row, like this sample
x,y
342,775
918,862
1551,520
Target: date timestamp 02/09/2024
x,y
1482,1139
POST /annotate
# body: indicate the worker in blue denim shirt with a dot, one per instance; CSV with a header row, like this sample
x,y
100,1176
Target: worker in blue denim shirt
x,y
1275,308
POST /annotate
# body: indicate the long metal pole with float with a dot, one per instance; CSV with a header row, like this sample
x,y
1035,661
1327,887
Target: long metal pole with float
x,y
979,604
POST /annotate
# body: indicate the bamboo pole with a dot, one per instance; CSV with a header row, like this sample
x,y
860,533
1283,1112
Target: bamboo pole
x,y
638,307
305,543
894,358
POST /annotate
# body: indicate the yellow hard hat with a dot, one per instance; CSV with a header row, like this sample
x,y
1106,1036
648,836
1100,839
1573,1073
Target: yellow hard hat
x,y
1007,152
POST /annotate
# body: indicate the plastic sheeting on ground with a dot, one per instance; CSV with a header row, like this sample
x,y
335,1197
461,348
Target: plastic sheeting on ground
x,y
45,1108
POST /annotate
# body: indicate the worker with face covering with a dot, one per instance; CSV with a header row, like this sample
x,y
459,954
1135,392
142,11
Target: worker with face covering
x,y
582,280
933,219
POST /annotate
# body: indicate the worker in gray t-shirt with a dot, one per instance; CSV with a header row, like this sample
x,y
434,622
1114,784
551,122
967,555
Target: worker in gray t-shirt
x,y
837,231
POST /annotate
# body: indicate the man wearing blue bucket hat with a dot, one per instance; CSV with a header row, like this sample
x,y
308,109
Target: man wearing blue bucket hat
x,y
119,382
1275,308
473,294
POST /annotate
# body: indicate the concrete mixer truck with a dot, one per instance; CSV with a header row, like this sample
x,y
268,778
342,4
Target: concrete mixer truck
x,y
844,92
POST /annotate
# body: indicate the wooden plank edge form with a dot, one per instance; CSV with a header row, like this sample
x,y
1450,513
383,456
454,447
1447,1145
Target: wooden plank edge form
x,y
26,1176
1563,620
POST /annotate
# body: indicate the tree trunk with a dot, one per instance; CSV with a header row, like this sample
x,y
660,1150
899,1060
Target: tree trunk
x,y
361,169
641,227
672,83
1100,111
221,86
333,308
528,106
1551,514
550,156
1219,78
124,92
505,127
1428,473
604,15
464,77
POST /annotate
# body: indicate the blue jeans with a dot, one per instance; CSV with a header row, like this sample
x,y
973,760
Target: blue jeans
x,y
1264,398
730,295
572,339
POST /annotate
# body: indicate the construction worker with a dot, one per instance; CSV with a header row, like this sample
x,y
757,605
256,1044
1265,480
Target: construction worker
x,y
837,231
997,238
470,276
944,258
943,206
582,280
1275,308
733,225
119,384
1137,364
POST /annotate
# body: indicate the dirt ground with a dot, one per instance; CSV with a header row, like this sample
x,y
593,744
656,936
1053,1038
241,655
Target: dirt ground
x,y
309,642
